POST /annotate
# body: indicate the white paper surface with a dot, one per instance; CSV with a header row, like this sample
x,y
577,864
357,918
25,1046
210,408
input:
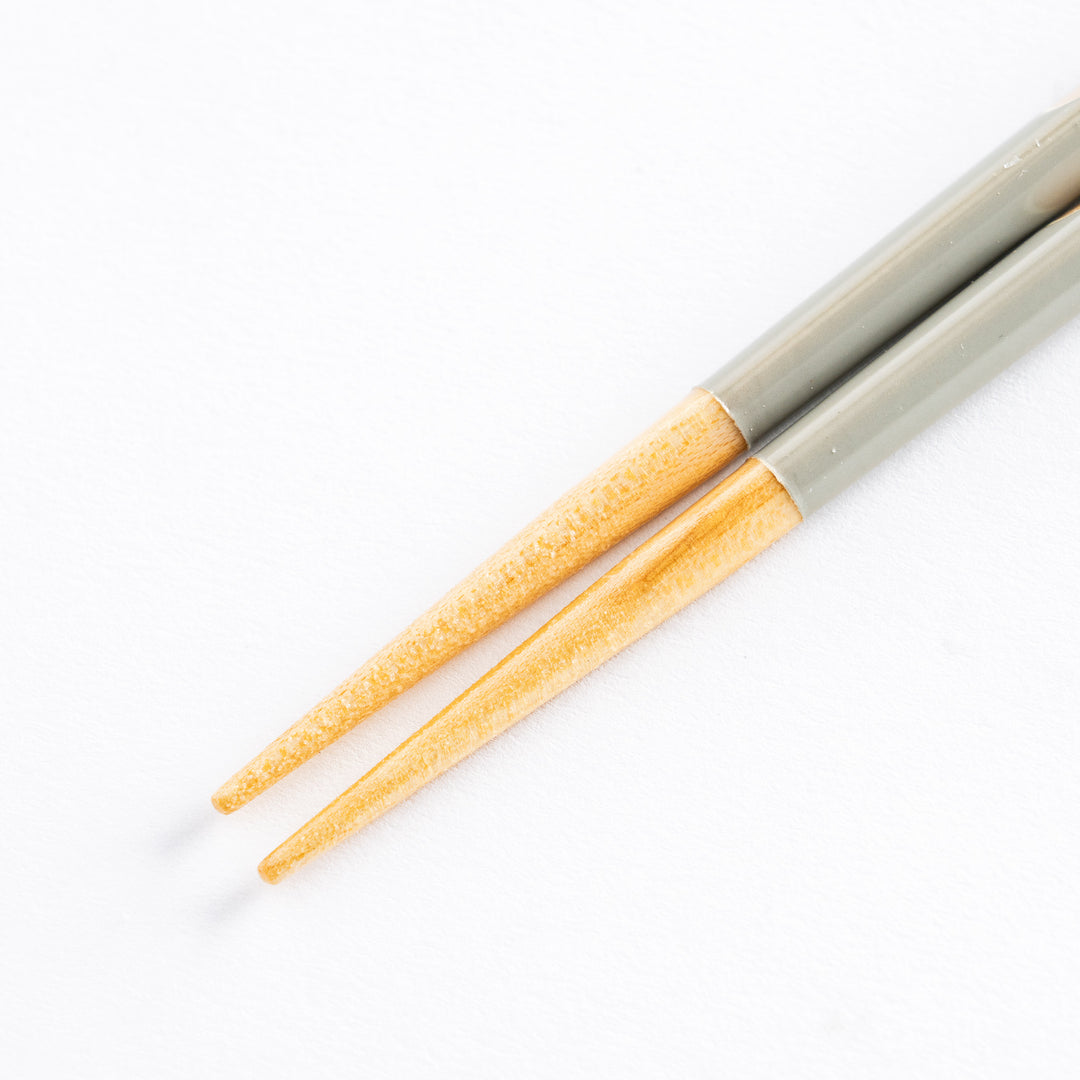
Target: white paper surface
x,y
306,309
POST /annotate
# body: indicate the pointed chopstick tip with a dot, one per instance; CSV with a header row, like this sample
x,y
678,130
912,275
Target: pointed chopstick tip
x,y
270,871
225,799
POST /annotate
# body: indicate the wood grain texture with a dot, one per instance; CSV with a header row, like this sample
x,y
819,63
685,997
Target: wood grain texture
x,y
721,531
687,446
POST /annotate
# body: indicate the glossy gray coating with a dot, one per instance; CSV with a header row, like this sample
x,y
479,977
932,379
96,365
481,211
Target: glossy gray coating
x,y
1021,300
1022,185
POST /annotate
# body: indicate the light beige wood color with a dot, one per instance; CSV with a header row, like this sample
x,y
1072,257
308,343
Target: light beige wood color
x,y
686,447
737,519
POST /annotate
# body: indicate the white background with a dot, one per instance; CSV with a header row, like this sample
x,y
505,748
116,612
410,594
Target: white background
x,y
305,309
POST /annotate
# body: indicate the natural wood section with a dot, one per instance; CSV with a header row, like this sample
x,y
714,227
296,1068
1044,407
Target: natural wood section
x,y
686,447
735,521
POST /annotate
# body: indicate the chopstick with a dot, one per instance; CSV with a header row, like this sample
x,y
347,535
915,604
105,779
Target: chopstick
x,y
1017,303
738,519
687,446
1017,189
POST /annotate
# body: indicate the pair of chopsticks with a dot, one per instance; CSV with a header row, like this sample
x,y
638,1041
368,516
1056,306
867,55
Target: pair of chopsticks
x,y
940,306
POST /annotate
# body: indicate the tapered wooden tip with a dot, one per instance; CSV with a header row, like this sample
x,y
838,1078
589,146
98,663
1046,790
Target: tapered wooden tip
x,y
224,799
284,859
271,871
685,447
736,520
383,786
243,786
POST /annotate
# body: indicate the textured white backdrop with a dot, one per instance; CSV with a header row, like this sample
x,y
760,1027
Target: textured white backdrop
x,y
306,308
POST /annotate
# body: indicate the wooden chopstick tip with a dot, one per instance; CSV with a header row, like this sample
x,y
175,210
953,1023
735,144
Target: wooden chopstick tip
x,y
225,799
293,853
270,871
690,443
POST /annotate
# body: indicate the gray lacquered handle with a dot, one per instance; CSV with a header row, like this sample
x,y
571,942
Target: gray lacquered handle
x,y
1024,184
975,336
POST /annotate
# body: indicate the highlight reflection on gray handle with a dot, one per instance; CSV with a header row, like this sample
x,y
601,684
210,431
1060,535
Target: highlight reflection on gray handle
x,y
1021,186
975,336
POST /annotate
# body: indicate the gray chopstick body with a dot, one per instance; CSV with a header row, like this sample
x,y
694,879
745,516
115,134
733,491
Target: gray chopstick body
x,y
1021,186
975,336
